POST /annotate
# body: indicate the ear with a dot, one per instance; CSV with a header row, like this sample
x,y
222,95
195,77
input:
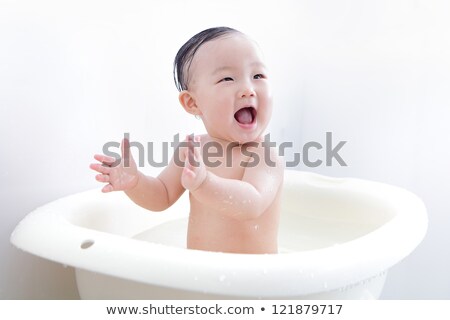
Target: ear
x,y
187,100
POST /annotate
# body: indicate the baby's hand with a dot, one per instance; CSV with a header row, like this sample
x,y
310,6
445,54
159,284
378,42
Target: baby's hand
x,y
194,171
118,176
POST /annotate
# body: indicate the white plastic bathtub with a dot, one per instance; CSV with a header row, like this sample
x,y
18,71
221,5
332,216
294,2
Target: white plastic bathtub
x,y
338,238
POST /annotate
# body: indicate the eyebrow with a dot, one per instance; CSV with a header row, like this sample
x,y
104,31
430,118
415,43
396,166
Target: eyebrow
x,y
225,68
220,69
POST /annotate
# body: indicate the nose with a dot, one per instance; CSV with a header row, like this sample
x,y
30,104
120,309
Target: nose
x,y
247,90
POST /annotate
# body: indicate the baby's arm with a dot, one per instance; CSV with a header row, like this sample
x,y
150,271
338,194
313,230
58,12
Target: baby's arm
x,y
157,194
244,199
154,194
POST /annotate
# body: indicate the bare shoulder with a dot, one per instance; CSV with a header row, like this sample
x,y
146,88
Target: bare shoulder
x,y
264,163
264,156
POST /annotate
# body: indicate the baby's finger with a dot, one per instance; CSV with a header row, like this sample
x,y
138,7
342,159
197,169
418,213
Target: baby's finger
x,y
194,158
108,188
188,176
102,178
100,168
197,154
109,161
191,156
187,159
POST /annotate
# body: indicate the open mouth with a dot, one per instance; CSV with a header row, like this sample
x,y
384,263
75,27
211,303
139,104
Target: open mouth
x,y
245,115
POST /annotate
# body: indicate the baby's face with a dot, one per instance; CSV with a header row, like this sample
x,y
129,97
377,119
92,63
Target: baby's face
x,y
229,83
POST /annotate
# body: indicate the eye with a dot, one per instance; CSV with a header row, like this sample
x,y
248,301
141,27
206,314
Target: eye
x,y
226,79
259,76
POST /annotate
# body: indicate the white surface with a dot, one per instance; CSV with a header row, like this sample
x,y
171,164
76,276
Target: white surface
x,y
76,75
334,233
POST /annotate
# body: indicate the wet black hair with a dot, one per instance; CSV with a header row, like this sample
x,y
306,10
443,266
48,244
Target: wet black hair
x,y
186,53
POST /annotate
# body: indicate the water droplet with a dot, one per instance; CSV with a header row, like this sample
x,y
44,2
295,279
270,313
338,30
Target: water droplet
x,y
222,278
256,227
230,197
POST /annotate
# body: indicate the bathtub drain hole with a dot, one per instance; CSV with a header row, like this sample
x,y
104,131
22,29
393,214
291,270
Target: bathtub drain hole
x,y
86,244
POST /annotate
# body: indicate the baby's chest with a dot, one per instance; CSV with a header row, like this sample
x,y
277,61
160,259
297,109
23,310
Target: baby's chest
x,y
230,166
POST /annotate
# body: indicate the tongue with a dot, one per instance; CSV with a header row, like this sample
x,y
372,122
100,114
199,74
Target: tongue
x,y
244,116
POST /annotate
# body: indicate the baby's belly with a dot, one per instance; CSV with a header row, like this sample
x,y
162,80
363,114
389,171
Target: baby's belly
x,y
213,232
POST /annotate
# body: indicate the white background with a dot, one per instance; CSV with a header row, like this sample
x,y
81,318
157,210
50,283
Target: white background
x,y
75,75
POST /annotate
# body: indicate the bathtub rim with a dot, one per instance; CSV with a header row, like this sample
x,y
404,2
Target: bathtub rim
x,y
258,276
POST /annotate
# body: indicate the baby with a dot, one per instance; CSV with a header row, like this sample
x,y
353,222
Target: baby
x,y
234,198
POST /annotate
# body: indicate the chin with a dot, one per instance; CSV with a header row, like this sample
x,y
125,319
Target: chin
x,y
246,138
